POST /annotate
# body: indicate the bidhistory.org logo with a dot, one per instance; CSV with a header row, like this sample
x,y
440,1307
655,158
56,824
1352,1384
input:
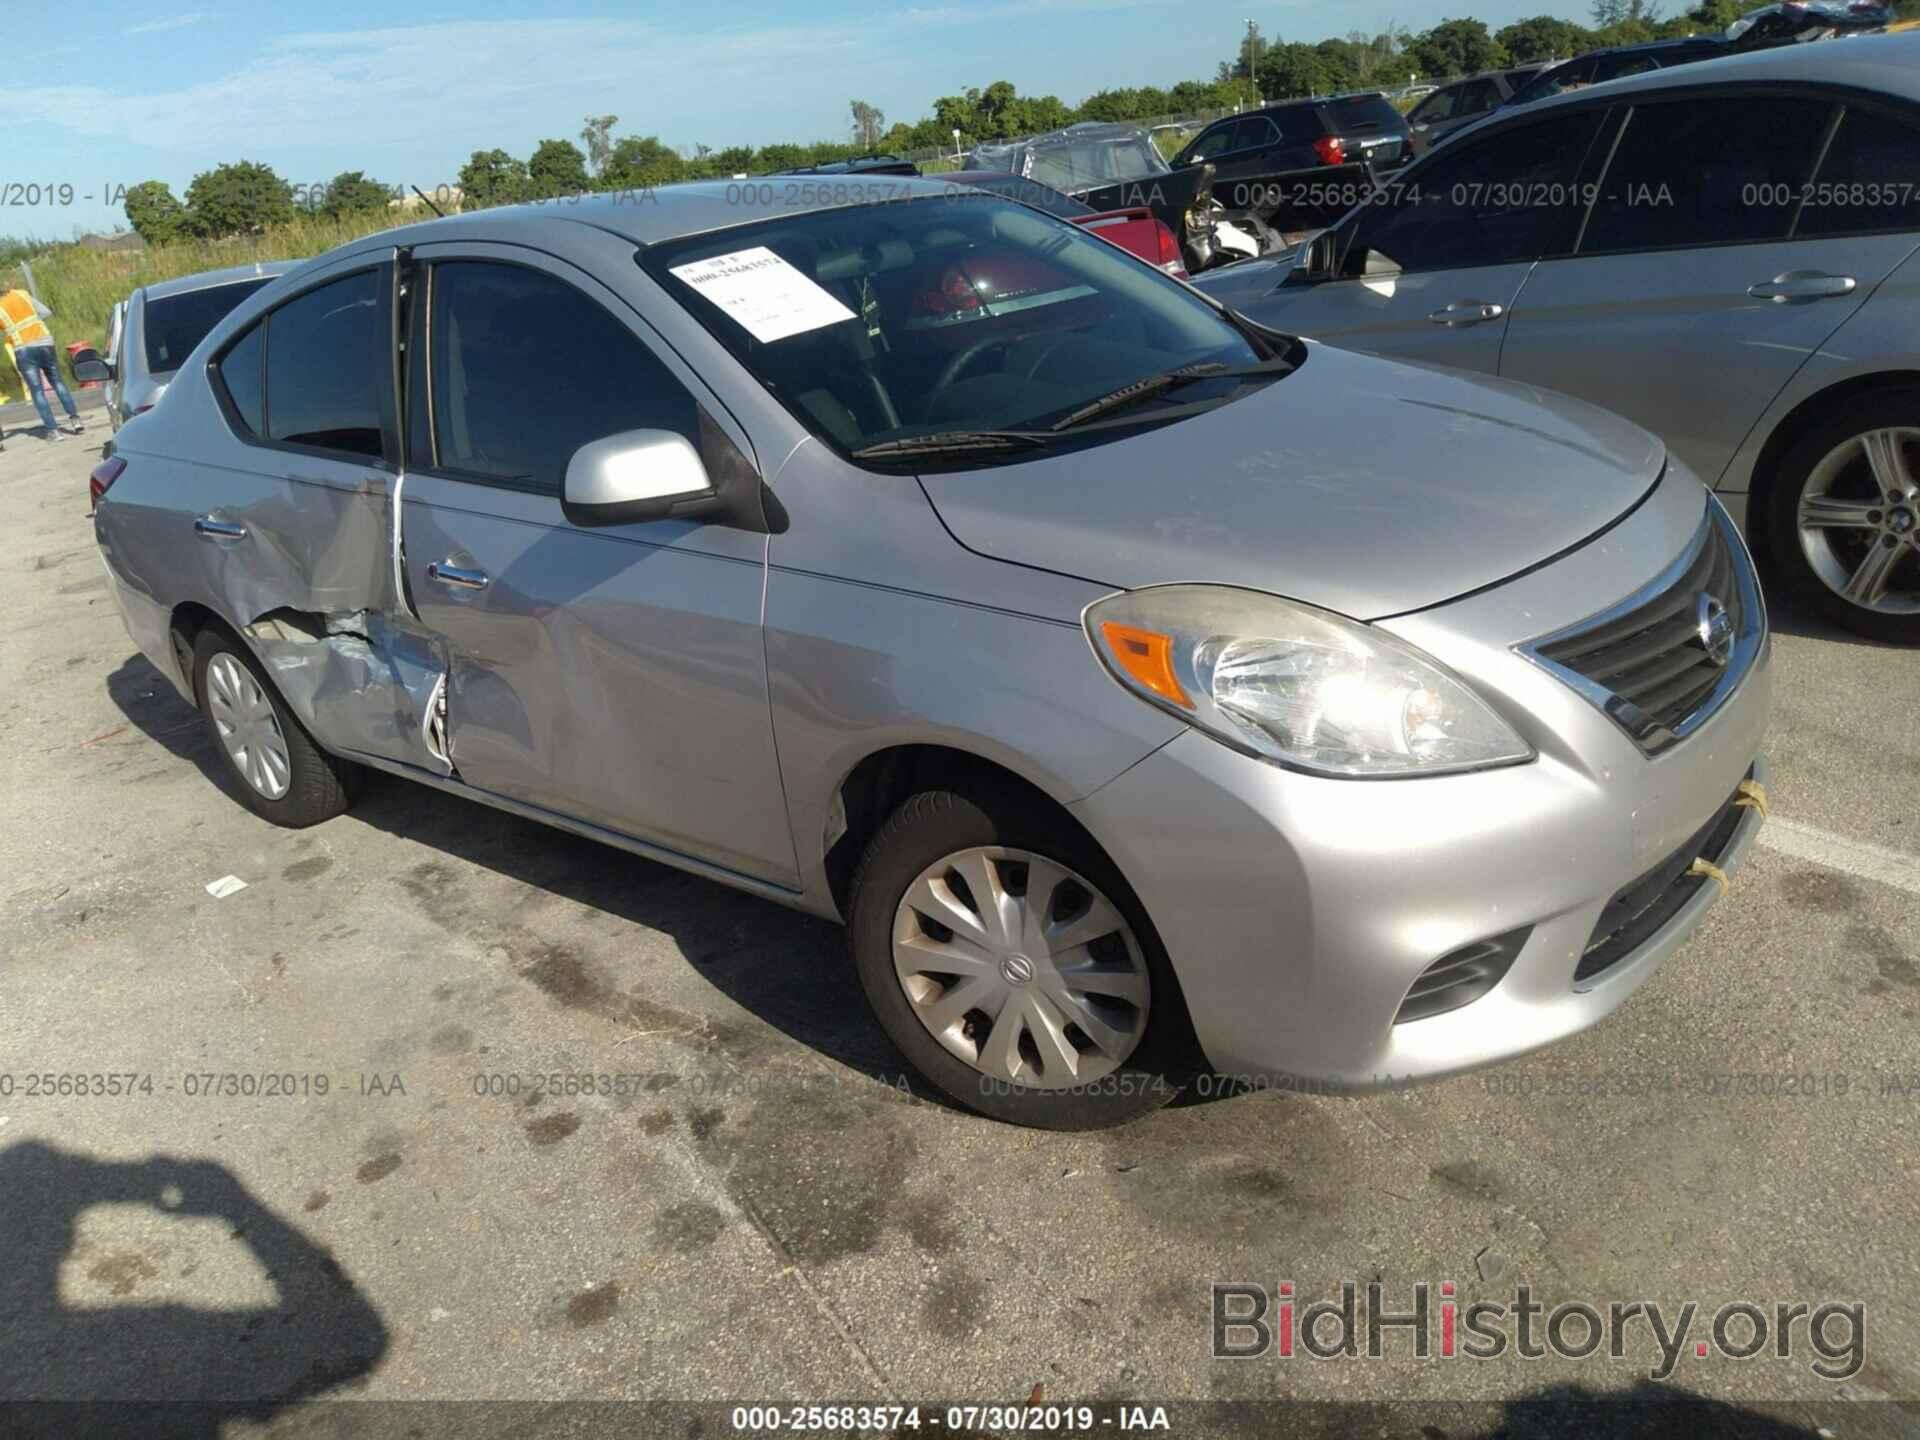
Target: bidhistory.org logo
x,y
1255,1322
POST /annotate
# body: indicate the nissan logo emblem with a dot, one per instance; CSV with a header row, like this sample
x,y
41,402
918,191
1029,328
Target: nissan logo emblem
x,y
1715,628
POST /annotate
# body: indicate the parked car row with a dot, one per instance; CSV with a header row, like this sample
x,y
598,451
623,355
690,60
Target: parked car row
x,y
1086,642
1723,253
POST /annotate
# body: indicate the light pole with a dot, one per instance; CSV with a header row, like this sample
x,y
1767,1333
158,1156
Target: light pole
x,y
1253,59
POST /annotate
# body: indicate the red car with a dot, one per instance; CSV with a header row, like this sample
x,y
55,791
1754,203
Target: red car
x,y
1135,230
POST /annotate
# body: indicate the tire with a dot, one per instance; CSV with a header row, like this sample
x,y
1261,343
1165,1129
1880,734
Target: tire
x,y
1118,982
1831,464
295,783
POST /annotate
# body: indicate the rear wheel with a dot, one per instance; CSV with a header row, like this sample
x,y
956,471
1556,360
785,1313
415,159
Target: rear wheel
x,y
1006,957
283,776
1845,518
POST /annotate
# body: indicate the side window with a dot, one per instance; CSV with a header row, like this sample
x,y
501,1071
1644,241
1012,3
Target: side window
x,y
1867,181
1574,75
327,362
1255,132
526,369
1688,173
1477,96
1436,107
1508,197
1618,67
240,374
1212,142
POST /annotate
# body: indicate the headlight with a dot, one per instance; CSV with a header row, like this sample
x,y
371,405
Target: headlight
x,y
1301,686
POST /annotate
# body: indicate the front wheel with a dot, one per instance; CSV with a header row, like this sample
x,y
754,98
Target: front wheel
x,y
283,776
1845,519
1007,959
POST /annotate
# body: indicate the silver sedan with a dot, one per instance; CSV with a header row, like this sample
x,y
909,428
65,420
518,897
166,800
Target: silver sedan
x,y
1724,252
1150,693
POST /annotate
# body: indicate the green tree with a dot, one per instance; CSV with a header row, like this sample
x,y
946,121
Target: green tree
x,y
557,168
1456,47
597,135
868,124
155,215
1290,70
492,177
1544,37
243,198
352,193
638,161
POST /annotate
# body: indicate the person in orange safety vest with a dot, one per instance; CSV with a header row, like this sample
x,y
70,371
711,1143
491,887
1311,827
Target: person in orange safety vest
x,y
24,320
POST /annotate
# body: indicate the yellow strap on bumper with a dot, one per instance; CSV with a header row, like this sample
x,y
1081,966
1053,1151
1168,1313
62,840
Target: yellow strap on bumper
x,y
1753,795
1711,871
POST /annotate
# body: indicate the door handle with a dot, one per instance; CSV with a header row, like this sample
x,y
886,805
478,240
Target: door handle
x,y
208,528
453,575
1467,312
1799,286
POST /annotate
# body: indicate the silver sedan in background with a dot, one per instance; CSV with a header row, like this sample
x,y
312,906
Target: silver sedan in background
x,y
157,327
1723,252
1146,690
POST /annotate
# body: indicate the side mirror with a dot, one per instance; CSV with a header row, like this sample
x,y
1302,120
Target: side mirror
x,y
634,476
1317,259
90,369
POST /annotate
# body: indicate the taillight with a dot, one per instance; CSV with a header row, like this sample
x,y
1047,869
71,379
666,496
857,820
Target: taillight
x,y
1331,149
1168,250
102,478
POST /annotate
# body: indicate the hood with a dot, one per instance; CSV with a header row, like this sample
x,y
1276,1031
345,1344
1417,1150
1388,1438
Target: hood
x,y
1365,486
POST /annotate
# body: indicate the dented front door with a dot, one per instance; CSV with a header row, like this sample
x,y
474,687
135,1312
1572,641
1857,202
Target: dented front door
x,y
614,675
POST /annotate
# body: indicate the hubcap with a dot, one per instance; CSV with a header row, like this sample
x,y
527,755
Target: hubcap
x,y
1860,521
248,728
1021,968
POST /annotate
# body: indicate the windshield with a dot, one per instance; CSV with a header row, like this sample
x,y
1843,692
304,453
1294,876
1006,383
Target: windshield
x,y
1088,164
965,312
177,323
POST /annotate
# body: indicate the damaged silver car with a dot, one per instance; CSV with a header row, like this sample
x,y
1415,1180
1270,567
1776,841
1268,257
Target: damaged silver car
x,y
1147,691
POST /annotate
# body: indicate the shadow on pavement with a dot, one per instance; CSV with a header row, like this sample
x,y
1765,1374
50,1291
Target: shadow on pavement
x,y
789,969
211,1366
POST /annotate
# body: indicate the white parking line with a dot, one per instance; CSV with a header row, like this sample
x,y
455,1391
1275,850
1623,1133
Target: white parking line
x,y
1856,857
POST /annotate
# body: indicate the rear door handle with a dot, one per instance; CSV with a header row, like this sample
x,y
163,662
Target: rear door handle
x,y
453,575
208,528
1468,312
1799,286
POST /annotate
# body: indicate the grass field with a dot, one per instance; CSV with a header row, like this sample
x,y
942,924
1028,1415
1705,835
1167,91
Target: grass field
x,y
81,286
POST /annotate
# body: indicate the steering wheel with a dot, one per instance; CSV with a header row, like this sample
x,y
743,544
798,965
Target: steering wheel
x,y
957,366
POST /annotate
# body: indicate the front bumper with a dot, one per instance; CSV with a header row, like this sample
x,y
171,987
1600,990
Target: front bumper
x,y
1298,911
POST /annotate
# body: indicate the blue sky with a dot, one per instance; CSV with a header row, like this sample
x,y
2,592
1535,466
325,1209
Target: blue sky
x,y
111,93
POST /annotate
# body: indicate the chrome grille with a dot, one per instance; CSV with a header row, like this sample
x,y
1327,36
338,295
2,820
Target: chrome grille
x,y
1664,659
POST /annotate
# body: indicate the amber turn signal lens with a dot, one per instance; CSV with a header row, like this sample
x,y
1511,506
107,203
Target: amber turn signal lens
x,y
1147,656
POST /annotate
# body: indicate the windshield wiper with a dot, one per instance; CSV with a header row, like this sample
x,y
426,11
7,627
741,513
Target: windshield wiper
x,y
950,442
1128,396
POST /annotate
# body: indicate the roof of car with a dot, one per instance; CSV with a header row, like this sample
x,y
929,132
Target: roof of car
x,y
654,214
1889,63
209,279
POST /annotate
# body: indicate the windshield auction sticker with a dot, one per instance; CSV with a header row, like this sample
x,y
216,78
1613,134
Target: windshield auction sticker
x,y
763,293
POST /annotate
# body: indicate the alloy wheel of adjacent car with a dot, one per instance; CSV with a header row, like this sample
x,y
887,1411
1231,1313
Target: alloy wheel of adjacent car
x,y
284,776
1860,520
1005,956
1845,523
1021,968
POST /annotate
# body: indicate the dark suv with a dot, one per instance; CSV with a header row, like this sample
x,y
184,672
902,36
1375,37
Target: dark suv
x,y
1303,135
